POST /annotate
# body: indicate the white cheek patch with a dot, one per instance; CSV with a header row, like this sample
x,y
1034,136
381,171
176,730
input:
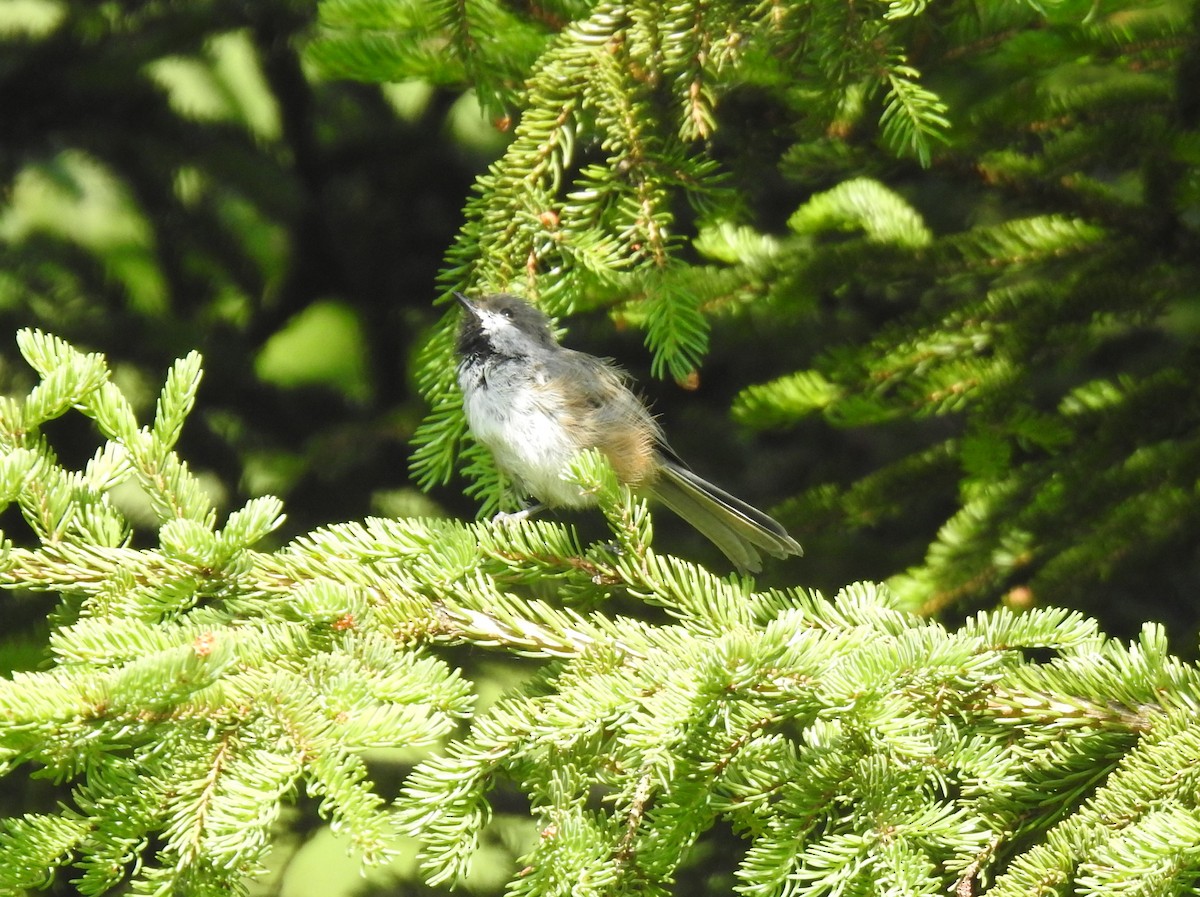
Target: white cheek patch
x,y
494,324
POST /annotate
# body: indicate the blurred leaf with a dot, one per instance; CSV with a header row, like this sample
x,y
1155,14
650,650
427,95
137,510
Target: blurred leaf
x,y
323,345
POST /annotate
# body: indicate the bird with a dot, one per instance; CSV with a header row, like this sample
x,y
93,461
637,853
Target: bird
x,y
535,404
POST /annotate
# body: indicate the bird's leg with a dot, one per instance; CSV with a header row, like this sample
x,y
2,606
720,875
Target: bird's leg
x,y
517,516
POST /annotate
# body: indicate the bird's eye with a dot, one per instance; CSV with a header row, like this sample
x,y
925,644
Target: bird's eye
x,y
507,312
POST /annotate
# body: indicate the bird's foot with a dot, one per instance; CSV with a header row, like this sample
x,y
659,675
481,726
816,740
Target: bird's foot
x,y
505,517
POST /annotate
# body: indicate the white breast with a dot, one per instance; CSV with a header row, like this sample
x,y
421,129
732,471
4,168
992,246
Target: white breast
x,y
513,418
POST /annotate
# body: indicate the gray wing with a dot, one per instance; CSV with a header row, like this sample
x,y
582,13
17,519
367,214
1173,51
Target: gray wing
x,y
605,414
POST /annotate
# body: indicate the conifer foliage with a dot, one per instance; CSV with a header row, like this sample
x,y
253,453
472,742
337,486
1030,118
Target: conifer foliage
x,y
983,218
852,746
993,226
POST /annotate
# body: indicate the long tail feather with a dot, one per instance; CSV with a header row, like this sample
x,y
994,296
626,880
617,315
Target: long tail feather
x,y
728,522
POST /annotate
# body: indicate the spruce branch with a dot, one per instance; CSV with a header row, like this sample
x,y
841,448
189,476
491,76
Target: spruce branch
x,y
848,742
914,117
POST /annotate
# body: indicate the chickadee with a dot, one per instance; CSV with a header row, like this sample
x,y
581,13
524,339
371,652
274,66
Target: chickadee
x,y
535,404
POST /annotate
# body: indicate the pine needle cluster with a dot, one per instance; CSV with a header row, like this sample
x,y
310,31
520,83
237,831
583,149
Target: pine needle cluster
x,y
193,687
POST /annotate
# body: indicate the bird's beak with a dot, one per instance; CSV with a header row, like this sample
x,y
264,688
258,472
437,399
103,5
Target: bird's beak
x,y
467,304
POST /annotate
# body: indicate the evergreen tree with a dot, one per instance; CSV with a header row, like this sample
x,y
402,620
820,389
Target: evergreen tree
x,y
956,246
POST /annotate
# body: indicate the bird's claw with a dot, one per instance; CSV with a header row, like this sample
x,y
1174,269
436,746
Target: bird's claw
x,y
507,517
